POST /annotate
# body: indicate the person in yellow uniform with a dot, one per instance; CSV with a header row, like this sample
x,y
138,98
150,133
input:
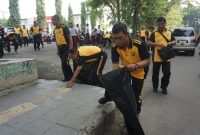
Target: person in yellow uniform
x,y
143,34
18,32
134,55
107,38
158,40
25,34
35,30
91,61
64,44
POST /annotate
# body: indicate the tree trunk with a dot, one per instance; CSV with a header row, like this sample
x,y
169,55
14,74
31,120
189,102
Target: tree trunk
x,y
118,11
135,15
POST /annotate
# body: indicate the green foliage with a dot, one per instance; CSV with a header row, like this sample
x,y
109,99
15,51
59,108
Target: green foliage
x,y
136,13
40,10
58,6
14,13
95,14
192,17
3,22
174,17
150,11
83,15
70,15
110,4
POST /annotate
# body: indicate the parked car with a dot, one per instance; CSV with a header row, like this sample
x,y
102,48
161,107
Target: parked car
x,y
185,40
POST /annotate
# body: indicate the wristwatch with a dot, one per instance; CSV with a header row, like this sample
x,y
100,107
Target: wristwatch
x,y
136,65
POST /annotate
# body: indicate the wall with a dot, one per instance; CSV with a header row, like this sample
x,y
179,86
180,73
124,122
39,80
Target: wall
x,y
14,72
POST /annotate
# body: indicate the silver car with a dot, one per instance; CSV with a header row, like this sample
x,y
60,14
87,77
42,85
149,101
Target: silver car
x,y
185,37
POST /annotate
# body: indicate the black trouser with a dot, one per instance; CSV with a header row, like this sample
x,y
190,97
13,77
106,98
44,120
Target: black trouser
x,y
36,40
16,44
19,39
166,74
63,53
25,40
137,85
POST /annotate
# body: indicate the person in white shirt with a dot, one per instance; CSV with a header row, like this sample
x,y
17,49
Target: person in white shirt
x,y
73,33
78,29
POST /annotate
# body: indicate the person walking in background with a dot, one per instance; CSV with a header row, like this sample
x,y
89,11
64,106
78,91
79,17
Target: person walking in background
x,y
99,35
87,34
158,40
143,34
78,30
25,34
64,44
73,33
18,32
35,30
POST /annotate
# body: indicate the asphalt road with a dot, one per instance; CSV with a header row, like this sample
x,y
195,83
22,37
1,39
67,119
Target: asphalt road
x,y
178,112
174,114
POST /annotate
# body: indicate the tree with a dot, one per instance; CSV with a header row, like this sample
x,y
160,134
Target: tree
x,y
94,14
14,13
83,15
113,5
192,17
70,15
40,10
3,22
175,17
58,6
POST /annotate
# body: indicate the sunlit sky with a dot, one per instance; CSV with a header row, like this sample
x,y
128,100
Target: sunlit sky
x,y
28,7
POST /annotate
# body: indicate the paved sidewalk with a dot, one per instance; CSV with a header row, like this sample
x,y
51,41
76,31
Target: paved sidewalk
x,y
48,108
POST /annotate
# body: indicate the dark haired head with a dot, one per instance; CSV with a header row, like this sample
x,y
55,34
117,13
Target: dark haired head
x,y
119,27
161,19
56,17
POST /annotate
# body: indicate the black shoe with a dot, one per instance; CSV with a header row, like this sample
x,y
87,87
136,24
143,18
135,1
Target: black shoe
x,y
103,100
155,90
164,91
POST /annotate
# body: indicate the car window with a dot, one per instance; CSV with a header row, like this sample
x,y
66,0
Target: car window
x,y
183,33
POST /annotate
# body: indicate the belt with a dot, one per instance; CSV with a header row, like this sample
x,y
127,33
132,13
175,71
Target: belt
x,y
61,46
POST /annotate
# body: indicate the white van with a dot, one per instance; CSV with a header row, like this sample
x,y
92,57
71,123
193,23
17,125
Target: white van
x,y
185,37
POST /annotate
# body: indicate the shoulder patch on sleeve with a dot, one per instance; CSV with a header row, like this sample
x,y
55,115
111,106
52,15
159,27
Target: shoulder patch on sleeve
x,y
137,42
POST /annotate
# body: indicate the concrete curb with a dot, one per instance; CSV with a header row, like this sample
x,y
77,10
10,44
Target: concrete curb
x,y
101,121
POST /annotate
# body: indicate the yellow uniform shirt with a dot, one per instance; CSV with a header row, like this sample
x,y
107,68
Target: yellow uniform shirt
x,y
35,30
88,54
142,33
108,36
17,30
25,32
156,37
62,35
136,52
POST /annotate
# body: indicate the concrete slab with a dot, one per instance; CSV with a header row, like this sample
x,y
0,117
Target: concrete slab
x,y
48,107
14,72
